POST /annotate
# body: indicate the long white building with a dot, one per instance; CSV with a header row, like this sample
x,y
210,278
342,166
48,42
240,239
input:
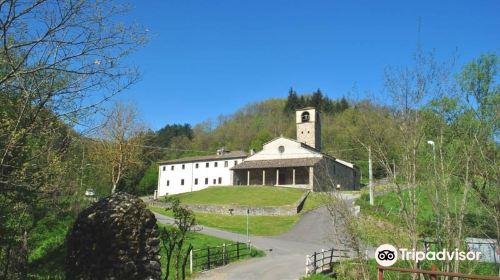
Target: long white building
x,y
196,173
282,162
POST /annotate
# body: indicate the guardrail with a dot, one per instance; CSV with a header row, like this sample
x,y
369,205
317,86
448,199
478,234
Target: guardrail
x,y
432,273
322,261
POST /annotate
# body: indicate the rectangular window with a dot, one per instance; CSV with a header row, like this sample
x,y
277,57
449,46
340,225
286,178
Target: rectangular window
x,y
196,165
183,166
196,181
182,182
164,167
206,181
235,162
207,164
220,180
172,167
215,181
226,164
168,183
215,164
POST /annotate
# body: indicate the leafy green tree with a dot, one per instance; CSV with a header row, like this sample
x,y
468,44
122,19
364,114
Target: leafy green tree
x,y
149,182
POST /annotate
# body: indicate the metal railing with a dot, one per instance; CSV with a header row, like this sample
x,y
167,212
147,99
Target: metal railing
x,y
214,256
432,273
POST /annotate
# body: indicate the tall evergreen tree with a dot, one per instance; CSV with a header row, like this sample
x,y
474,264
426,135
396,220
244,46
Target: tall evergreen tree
x,y
292,102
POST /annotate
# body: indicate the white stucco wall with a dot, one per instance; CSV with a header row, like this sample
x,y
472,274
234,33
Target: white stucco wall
x,y
190,173
293,149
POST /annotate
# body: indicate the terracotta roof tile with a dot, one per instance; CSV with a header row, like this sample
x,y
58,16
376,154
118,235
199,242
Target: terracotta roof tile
x,y
277,163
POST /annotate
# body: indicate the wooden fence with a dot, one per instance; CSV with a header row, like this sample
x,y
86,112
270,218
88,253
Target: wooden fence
x,y
432,273
323,261
211,257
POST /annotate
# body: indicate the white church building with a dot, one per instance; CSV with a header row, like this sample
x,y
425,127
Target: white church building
x,y
282,162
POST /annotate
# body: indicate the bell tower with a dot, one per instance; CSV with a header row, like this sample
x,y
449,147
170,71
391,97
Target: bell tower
x,y
308,127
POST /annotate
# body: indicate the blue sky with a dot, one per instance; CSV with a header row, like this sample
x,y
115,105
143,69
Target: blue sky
x,y
207,58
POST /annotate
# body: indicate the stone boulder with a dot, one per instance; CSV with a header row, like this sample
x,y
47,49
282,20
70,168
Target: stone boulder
x,y
115,238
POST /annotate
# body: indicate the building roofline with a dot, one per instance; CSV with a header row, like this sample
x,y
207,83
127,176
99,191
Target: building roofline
x,y
230,155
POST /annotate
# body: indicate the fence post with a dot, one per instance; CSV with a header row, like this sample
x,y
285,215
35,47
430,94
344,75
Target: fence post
x,y
191,261
307,265
433,268
238,250
208,257
314,263
322,260
223,253
380,274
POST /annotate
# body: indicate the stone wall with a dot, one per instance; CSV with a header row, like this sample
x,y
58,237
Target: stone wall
x,y
242,210
115,238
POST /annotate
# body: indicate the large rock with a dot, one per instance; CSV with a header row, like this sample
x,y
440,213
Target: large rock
x,y
115,238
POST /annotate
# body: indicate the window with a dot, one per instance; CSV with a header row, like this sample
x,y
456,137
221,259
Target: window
x,y
182,182
183,166
207,165
235,162
281,149
164,167
168,183
215,164
206,181
172,167
220,180
196,165
226,164
215,181
196,181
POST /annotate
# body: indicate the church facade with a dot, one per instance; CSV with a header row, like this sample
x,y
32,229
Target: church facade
x,y
298,163
282,162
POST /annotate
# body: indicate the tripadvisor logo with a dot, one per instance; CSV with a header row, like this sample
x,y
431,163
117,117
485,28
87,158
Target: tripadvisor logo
x,y
387,255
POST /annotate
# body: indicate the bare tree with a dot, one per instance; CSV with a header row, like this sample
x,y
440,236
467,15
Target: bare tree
x,y
59,61
120,144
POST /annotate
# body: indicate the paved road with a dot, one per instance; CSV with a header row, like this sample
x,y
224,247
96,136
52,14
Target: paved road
x,y
285,254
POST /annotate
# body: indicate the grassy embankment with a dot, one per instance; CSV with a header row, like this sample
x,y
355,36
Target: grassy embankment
x,y
382,223
46,260
253,197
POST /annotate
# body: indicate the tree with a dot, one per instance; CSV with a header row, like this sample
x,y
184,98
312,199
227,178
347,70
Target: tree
x,y
173,238
120,144
292,102
59,61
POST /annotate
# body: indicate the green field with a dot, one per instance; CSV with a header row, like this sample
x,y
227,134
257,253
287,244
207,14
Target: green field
x,y
256,196
258,225
201,241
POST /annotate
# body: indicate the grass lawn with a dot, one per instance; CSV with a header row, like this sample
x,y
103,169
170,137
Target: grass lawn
x,y
258,225
201,241
243,196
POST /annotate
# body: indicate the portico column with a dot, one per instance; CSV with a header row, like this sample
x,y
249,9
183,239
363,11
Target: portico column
x,y
293,180
311,177
263,177
248,178
277,176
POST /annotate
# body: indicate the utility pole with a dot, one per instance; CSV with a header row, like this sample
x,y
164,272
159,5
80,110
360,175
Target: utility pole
x,y
370,174
248,237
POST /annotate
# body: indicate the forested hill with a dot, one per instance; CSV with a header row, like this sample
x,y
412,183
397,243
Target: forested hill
x,y
253,125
